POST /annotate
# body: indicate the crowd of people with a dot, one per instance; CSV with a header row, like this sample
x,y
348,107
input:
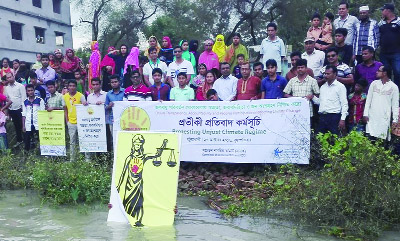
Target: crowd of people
x,y
346,87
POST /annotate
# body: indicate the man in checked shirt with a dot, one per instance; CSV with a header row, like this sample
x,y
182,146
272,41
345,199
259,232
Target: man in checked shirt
x,y
303,85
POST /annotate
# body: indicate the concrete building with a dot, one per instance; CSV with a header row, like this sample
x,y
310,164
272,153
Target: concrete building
x,y
28,27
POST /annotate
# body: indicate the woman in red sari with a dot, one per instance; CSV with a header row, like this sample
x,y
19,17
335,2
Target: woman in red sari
x,y
70,64
201,92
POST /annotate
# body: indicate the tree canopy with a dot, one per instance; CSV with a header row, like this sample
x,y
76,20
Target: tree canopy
x,y
114,22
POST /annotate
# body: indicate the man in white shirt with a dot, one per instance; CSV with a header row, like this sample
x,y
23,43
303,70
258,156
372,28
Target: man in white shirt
x,y
315,58
347,21
153,63
273,47
180,65
332,103
17,94
226,85
98,97
382,101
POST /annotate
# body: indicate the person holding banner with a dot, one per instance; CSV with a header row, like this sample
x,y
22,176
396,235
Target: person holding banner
x,y
303,85
71,99
273,85
116,94
30,108
98,97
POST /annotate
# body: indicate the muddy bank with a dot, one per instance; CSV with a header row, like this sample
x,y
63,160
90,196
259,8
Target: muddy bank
x,y
226,182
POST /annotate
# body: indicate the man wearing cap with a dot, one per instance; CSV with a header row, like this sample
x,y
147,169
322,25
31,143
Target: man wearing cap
x,y
366,34
315,58
208,57
347,21
389,28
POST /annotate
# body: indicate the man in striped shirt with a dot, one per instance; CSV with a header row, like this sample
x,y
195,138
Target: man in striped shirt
x,y
344,74
137,91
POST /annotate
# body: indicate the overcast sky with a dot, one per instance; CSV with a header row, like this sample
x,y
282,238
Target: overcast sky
x,y
78,32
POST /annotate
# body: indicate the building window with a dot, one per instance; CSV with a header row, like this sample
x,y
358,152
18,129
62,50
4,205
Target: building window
x,y
16,31
39,35
59,39
37,3
57,6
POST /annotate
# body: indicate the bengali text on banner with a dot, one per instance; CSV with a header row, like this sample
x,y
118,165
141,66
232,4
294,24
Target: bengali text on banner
x,y
52,133
91,128
261,131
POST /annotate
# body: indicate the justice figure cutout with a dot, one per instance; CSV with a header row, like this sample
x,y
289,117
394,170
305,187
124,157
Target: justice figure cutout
x,y
132,176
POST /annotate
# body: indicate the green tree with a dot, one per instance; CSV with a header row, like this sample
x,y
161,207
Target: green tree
x,y
84,54
124,23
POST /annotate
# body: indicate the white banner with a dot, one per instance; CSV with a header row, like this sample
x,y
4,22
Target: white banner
x,y
91,128
260,131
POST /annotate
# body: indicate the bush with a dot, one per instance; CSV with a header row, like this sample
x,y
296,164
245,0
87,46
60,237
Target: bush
x,y
356,194
14,171
72,182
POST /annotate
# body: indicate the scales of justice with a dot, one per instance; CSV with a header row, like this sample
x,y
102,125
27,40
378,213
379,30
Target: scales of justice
x,y
171,159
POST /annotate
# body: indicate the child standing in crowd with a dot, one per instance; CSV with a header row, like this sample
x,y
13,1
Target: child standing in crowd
x,y
315,31
80,87
356,106
4,104
39,90
3,132
182,92
30,108
236,69
325,41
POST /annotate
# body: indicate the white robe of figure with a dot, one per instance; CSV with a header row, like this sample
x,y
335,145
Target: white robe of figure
x,y
382,101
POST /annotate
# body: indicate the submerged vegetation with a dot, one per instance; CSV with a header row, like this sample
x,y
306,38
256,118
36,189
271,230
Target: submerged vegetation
x,y
57,181
355,195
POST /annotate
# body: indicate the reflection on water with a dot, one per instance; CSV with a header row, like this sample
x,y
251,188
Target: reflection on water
x,y
22,217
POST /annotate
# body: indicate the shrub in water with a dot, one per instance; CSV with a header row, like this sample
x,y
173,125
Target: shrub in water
x,y
71,182
14,171
356,194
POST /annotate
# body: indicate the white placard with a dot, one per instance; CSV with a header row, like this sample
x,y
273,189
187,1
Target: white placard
x,y
91,128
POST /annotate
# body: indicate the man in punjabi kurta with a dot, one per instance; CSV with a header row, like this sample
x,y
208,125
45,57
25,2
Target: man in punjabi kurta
x,y
382,103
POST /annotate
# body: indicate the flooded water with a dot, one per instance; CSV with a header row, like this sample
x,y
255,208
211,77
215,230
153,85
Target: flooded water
x,y
23,217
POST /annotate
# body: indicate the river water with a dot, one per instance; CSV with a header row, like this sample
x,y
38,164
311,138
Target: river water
x,y
24,217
